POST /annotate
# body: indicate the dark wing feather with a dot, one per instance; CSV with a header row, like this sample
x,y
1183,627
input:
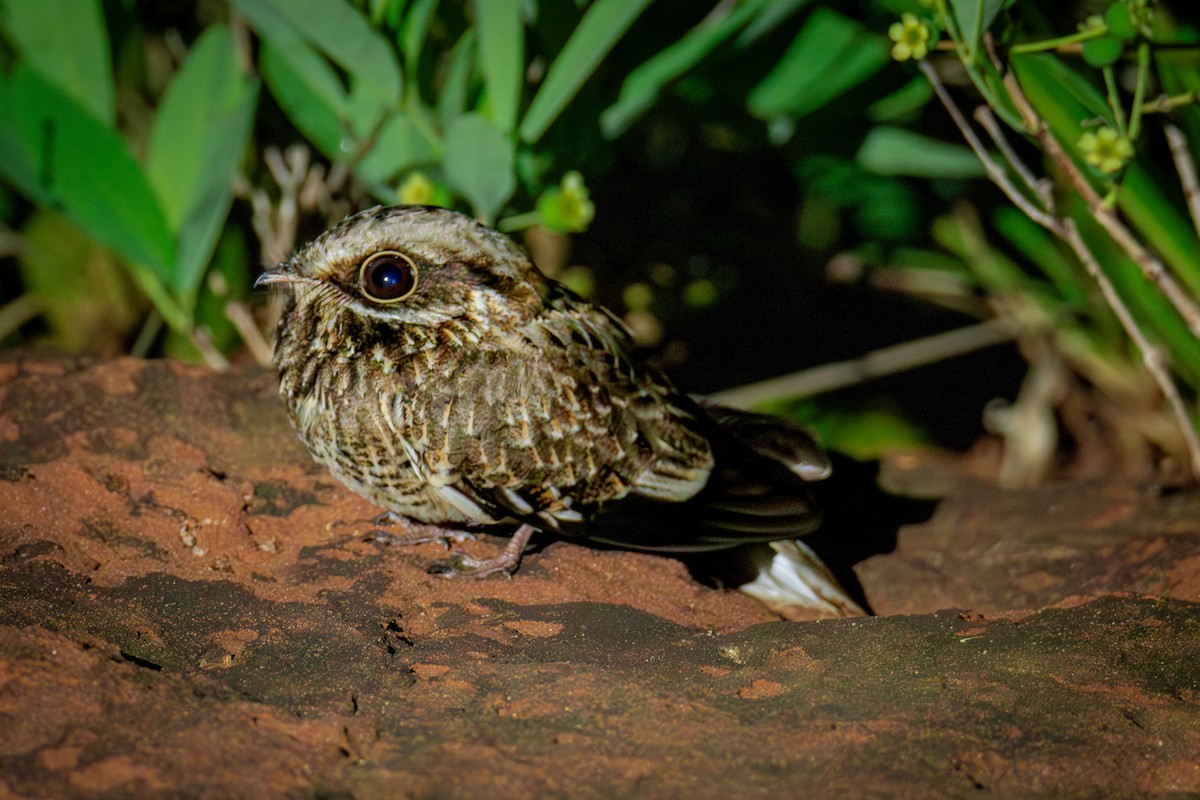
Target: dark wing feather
x,y
664,472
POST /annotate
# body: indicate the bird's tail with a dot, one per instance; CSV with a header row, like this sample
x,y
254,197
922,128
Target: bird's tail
x,y
794,583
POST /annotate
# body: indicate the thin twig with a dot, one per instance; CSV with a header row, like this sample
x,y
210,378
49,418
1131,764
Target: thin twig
x,y
1186,167
1149,264
201,339
1042,188
1165,104
16,313
994,170
1153,357
876,364
237,313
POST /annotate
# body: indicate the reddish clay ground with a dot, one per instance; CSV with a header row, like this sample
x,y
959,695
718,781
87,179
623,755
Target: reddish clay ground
x,y
190,608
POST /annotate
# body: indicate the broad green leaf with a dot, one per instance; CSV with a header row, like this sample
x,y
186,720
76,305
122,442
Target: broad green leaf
x,y
197,141
342,33
641,87
228,279
398,146
904,102
1061,91
769,15
501,57
896,151
479,164
66,41
602,25
82,166
830,56
452,99
205,90
414,31
976,16
307,88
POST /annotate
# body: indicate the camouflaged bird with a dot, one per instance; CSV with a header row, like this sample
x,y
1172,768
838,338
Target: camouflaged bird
x,y
431,368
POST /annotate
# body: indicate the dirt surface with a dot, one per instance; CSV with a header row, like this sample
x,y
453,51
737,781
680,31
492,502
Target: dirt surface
x,y
190,608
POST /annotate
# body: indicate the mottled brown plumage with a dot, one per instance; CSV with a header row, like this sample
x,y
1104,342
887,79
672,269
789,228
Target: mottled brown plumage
x,y
428,364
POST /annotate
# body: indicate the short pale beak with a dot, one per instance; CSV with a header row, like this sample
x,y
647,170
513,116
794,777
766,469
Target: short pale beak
x,y
283,273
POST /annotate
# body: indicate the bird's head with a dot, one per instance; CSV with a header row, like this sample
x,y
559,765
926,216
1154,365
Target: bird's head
x,y
412,265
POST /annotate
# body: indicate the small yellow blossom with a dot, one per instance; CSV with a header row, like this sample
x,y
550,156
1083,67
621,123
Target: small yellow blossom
x,y
1106,150
911,37
566,208
420,190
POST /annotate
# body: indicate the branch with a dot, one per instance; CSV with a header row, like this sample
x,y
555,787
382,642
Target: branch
x,y
994,171
1186,168
876,364
1149,264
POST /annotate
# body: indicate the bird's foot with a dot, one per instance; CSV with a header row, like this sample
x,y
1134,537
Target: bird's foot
x,y
464,566
415,532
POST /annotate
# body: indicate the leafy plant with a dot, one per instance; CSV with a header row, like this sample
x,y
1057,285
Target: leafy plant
x,y
1105,195
161,212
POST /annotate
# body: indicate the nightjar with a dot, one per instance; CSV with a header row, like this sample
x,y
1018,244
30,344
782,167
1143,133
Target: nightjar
x,y
431,368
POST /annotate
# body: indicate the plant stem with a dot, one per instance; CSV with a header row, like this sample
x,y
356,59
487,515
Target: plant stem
x,y
519,221
1054,44
876,364
1165,104
1139,93
1114,100
1185,165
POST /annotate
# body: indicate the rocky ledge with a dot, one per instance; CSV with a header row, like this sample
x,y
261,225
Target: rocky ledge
x,y
190,608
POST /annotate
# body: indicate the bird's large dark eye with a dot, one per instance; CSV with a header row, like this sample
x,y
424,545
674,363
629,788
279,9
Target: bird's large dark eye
x,y
387,276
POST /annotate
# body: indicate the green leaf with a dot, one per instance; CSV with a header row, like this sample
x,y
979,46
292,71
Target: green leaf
x,y
452,99
768,18
903,102
308,90
1159,221
830,56
479,164
399,146
1046,76
896,151
502,57
641,87
1103,51
603,24
57,152
228,279
65,41
976,15
342,33
414,31
197,141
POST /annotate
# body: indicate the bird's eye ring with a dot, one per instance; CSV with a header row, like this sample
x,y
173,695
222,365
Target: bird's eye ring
x,y
387,277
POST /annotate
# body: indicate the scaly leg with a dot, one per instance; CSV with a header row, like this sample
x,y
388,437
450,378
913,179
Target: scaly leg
x,y
507,562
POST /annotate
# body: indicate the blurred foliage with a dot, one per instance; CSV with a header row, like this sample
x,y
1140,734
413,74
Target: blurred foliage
x,y
136,140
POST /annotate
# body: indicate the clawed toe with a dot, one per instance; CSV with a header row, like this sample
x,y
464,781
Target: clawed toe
x,y
461,565
464,566
415,533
